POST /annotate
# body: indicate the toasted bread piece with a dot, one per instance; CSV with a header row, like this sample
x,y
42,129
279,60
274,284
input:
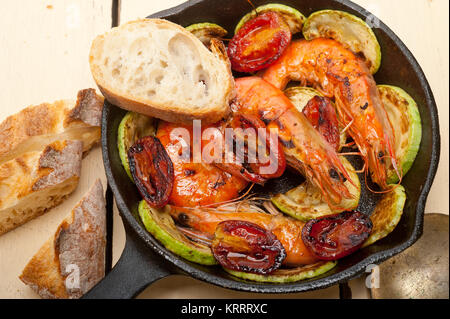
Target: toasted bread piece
x,y
72,261
37,181
158,68
37,126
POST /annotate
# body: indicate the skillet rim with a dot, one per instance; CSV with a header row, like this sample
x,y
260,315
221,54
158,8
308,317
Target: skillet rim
x,y
322,282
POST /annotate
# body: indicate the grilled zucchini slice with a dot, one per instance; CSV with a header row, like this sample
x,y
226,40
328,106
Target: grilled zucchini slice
x,y
206,31
300,95
348,29
288,275
294,18
405,118
387,214
161,225
133,127
304,202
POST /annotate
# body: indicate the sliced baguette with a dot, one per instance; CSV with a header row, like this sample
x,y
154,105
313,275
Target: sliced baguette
x,y
72,261
37,181
37,126
159,69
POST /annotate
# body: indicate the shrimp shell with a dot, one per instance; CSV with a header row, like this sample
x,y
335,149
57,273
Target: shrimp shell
x,y
305,149
336,72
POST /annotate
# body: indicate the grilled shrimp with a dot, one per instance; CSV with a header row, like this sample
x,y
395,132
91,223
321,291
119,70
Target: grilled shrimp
x,y
196,184
288,231
337,72
305,149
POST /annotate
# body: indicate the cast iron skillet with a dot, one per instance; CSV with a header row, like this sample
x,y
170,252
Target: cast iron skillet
x,y
145,260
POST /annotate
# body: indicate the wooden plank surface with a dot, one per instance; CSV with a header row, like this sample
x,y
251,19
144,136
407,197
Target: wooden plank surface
x,y
44,58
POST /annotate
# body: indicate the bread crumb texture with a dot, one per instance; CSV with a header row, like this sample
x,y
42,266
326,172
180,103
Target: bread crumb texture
x,y
37,181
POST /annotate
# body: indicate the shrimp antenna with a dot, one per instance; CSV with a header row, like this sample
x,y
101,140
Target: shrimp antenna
x,y
362,170
271,209
374,191
349,144
394,161
348,126
232,200
196,236
253,6
400,177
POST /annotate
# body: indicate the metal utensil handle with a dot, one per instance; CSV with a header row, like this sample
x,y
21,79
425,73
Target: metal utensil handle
x,y
137,268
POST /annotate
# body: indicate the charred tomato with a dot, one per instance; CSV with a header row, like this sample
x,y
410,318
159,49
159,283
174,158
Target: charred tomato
x,y
322,115
257,160
336,236
152,170
244,246
259,43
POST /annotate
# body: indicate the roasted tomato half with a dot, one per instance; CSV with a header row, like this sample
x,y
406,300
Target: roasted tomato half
x,y
322,115
257,156
336,236
244,246
259,43
152,170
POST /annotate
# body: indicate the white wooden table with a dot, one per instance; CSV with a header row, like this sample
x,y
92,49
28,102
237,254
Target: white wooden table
x,y
44,57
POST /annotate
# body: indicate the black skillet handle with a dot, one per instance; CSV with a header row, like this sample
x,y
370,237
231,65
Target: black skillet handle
x,y
137,268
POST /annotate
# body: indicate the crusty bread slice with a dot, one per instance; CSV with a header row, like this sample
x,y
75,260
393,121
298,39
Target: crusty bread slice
x,y
37,181
159,69
72,261
37,126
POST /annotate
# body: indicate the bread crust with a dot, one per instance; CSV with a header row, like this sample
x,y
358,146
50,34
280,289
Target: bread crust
x,y
37,181
87,109
163,112
36,126
72,260
167,112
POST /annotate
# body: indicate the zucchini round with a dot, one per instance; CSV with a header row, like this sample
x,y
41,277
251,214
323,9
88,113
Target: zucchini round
x,y
304,202
288,275
405,118
206,31
387,214
349,30
293,18
300,95
133,127
161,225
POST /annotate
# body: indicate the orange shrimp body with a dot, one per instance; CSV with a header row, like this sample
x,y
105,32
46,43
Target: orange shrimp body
x,y
336,72
305,149
288,231
196,184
